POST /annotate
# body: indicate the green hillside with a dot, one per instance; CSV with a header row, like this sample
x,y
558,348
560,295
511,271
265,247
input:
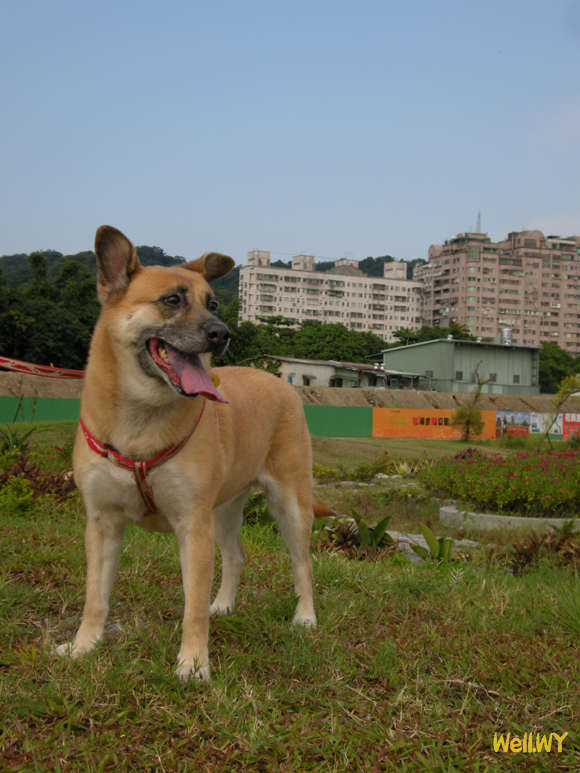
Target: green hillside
x,y
371,266
17,271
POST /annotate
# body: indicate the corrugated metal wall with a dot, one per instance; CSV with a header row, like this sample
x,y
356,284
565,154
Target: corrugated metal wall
x,y
40,409
335,421
322,420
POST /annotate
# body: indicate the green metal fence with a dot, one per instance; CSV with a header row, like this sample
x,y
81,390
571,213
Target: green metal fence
x,y
335,421
322,420
39,409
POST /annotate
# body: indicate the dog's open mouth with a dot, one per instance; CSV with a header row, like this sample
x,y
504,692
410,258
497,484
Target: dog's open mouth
x,y
186,372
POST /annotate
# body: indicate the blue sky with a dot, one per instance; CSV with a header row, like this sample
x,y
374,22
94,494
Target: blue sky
x,y
366,127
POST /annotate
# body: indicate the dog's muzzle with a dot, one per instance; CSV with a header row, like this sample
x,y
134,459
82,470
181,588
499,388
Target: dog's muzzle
x,y
218,336
185,369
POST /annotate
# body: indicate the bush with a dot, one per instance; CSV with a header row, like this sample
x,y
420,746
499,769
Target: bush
x,y
353,537
17,496
12,441
560,548
546,485
519,442
57,485
364,473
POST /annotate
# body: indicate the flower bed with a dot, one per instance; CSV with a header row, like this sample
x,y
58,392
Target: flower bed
x,y
545,485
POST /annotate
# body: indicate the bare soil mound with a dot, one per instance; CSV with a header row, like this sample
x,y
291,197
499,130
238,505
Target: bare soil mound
x,y
397,398
16,384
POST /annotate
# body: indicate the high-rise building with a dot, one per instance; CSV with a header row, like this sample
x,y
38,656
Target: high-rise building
x,y
528,282
342,294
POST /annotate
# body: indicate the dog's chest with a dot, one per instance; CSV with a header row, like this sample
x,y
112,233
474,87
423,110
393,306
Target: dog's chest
x,y
112,489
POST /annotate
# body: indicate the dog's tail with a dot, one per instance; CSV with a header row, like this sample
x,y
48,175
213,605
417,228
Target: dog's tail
x,y
321,510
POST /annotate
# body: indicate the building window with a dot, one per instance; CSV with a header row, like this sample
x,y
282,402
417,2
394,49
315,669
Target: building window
x,y
459,375
516,379
493,378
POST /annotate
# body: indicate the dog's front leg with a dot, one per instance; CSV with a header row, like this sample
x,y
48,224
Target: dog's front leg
x,y
196,554
103,541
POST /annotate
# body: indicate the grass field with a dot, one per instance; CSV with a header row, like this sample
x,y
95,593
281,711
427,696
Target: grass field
x,y
411,668
353,451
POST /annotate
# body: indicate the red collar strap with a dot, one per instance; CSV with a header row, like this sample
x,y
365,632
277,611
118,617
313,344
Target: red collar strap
x,y
140,469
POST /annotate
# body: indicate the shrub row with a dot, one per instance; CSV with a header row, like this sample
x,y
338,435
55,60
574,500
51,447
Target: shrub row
x,y
543,485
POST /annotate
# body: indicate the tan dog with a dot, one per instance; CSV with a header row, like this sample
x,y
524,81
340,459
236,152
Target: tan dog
x,y
145,390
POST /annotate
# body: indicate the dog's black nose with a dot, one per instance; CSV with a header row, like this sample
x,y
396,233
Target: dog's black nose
x,y
217,333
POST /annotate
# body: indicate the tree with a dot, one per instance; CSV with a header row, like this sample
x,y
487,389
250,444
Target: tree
x,y
555,365
230,282
155,256
323,341
468,418
39,267
426,333
569,387
50,322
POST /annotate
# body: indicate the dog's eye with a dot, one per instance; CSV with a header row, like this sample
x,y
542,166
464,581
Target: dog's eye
x,y
213,306
172,300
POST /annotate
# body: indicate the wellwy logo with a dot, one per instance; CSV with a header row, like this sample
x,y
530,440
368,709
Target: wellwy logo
x,y
543,743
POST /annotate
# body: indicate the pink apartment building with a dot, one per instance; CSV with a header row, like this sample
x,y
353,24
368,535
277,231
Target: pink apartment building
x,y
528,282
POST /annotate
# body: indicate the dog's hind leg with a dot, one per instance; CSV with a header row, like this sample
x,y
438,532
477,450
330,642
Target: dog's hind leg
x,y
291,505
228,522
103,542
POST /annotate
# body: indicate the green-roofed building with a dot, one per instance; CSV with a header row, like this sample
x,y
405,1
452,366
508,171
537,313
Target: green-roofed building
x,y
449,365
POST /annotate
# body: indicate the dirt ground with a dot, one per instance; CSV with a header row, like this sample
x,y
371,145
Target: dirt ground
x,y
399,398
31,386
16,384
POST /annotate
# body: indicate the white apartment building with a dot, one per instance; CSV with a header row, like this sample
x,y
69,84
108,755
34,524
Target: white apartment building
x,y
342,294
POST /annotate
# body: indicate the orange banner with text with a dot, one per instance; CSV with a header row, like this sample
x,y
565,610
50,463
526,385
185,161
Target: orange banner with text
x,y
423,423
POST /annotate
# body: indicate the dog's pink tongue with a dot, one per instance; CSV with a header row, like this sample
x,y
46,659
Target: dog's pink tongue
x,y
194,378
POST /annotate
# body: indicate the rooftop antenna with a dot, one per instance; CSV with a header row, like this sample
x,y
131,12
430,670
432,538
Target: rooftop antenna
x,y
478,228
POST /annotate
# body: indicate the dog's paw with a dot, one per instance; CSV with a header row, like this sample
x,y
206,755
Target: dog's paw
x,y
307,621
196,669
69,650
218,608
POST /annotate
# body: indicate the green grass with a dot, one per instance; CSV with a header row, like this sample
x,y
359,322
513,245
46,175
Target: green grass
x,y
354,451
411,668
48,434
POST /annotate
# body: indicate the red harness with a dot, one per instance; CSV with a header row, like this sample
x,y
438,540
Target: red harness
x,y
140,469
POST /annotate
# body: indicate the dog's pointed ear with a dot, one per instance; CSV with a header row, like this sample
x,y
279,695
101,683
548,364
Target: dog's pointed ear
x,y
212,265
116,260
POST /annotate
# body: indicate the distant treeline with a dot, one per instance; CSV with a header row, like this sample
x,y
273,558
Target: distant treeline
x,y
17,270
370,266
49,306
